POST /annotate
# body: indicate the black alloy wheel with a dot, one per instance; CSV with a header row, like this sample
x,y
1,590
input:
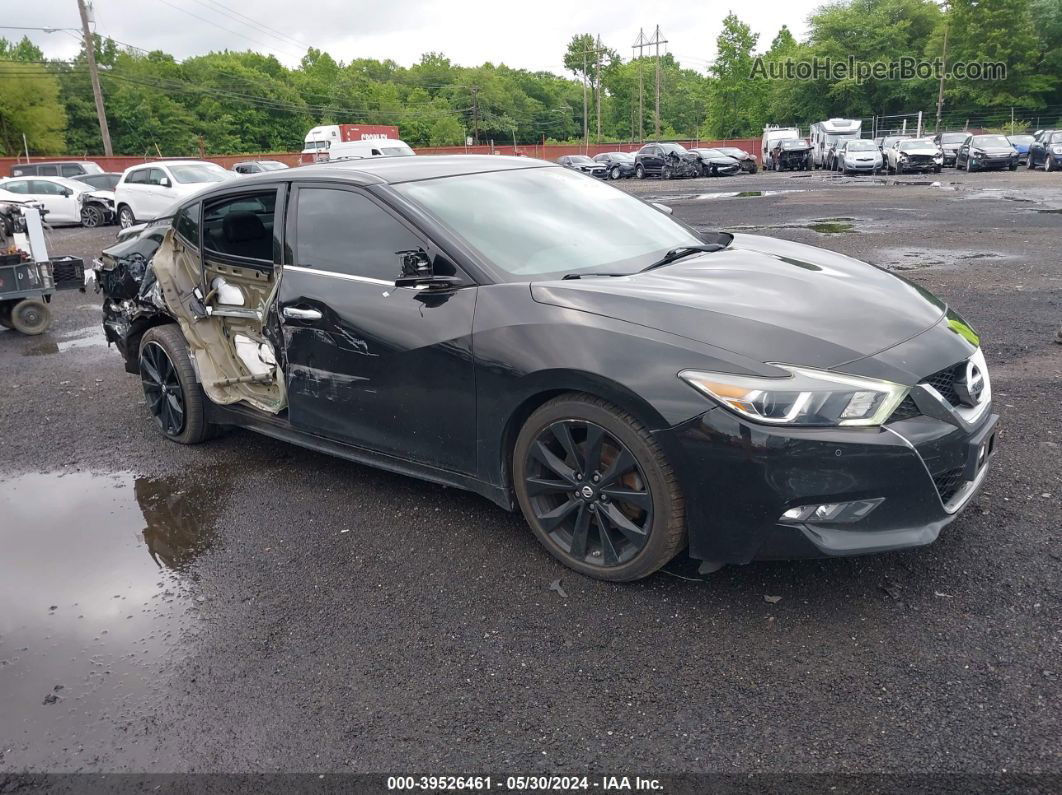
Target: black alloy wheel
x,y
597,490
162,388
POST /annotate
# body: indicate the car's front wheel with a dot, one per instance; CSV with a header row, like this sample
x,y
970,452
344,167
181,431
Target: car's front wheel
x,y
639,171
125,216
614,173
597,489
171,391
1049,163
91,216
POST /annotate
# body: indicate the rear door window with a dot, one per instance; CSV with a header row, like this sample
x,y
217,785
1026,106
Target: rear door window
x,y
72,170
241,226
48,171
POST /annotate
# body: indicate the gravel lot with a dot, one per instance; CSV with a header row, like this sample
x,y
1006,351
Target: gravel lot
x,y
245,605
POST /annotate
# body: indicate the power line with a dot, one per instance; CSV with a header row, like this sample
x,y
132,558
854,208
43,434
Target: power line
x,y
233,14
215,24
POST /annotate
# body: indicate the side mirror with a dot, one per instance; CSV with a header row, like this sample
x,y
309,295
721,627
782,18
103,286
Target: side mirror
x,y
165,182
68,192
417,272
662,208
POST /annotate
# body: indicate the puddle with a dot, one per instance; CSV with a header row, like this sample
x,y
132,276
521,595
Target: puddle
x,y
94,583
841,225
917,259
831,227
90,337
732,194
1059,210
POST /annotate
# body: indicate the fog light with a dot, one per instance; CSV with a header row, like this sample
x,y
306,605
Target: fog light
x,y
833,512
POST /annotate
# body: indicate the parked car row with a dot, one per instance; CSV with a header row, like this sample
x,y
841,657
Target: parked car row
x,y
665,160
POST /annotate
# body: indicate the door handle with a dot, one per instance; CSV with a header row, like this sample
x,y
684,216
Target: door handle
x,y
301,314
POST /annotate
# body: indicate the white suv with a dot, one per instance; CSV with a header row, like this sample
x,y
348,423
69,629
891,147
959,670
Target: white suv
x,y
145,192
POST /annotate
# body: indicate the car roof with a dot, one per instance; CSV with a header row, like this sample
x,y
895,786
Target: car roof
x,y
394,170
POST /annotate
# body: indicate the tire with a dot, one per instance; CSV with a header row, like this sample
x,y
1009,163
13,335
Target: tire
x,y
936,169
969,166
31,316
5,313
91,216
639,171
651,511
1049,163
1031,164
899,167
665,172
179,409
614,174
1013,166
125,216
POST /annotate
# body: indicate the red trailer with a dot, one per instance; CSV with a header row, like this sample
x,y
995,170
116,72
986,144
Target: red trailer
x,y
318,139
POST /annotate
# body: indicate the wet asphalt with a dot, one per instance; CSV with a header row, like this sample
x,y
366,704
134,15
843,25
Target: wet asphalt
x,y
245,605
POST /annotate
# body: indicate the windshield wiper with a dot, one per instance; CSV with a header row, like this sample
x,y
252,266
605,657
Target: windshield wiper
x,y
583,275
680,252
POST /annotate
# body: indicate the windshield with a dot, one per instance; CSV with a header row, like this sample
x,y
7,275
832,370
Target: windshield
x,y
315,145
990,140
676,148
206,172
1055,138
952,138
794,144
101,181
542,223
1021,139
580,159
862,146
732,151
836,137
396,151
271,165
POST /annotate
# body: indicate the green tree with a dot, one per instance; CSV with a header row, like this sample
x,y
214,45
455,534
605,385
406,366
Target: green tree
x,y
30,109
735,102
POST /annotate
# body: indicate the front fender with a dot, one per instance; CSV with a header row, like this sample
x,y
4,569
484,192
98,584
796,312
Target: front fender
x,y
526,352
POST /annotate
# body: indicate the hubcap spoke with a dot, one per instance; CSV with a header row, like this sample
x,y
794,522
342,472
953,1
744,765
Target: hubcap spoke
x,y
608,549
618,520
620,465
552,519
538,486
595,436
543,454
563,435
581,533
639,499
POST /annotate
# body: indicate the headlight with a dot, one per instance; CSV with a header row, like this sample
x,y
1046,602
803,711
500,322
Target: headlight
x,y
1057,150
805,397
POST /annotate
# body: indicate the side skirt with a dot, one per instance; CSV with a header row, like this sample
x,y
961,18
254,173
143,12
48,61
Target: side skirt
x,y
279,428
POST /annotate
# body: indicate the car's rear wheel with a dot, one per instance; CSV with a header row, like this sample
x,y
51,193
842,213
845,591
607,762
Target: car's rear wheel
x,y
173,395
31,316
597,490
125,216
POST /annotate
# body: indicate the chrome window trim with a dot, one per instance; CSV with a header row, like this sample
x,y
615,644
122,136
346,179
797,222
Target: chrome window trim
x,y
333,274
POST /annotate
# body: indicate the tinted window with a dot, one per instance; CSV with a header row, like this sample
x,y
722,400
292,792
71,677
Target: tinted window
x,y
138,177
186,224
100,181
18,172
155,176
48,171
72,170
199,172
16,186
241,226
345,232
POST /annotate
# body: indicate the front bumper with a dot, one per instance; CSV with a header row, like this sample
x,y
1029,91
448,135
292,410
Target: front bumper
x,y
863,165
740,477
987,163
949,158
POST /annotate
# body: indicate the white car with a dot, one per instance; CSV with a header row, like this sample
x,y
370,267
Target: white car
x,y
146,191
67,201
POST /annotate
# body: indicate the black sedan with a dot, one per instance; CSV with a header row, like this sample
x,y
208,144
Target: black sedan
x,y
1046,151
715,164
502,325
982,152
619,165
584,164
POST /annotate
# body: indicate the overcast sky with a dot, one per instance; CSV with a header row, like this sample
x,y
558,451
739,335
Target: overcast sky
x,y
530,35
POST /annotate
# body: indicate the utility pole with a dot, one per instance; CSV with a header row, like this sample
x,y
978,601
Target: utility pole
x,y
657,41
475,114
943,70
598,76
586,128
640,44
90,55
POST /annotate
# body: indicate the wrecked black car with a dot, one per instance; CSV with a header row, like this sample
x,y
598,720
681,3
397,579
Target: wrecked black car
x,y
716,164
503,325
791,154
667,161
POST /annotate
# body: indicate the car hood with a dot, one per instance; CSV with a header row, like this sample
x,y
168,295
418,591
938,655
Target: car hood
x,y
767,299
994,150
